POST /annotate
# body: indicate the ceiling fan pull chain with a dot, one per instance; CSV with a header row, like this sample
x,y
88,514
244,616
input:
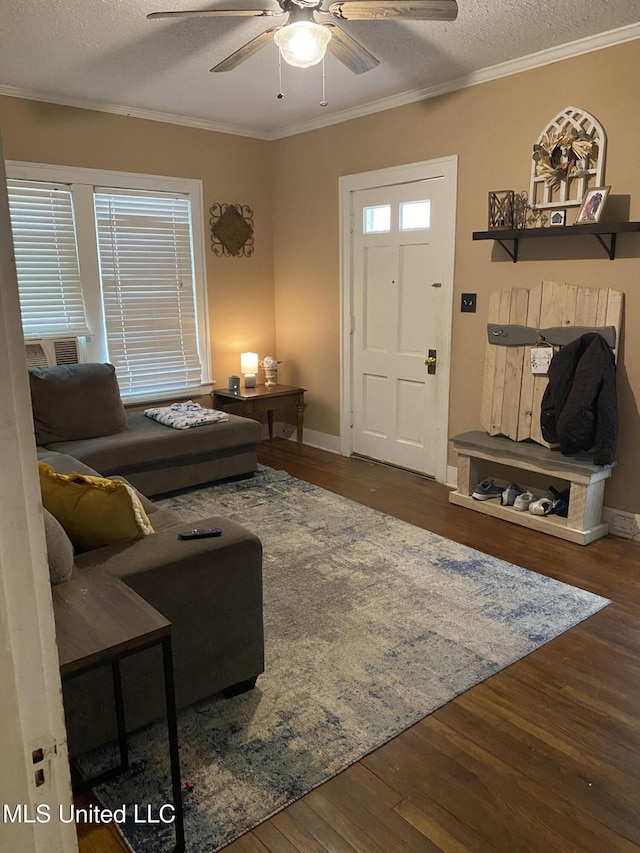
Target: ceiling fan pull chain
x,y
323,102
280,92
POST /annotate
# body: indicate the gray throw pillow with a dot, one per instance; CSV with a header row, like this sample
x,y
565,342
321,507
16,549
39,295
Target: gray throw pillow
x,y
59,550
75,401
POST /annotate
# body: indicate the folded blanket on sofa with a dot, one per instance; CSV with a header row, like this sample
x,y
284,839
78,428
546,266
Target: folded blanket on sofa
x,y
186,415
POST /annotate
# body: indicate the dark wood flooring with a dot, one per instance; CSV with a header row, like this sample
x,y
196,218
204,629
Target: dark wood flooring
x,y
543,757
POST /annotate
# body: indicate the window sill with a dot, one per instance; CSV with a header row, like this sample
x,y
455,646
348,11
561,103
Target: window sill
x,y
174,396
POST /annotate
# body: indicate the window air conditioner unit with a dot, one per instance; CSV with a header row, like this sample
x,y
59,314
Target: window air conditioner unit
x,y
50,352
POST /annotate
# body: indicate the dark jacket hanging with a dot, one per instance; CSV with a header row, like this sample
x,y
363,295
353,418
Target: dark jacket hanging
x,y
579,407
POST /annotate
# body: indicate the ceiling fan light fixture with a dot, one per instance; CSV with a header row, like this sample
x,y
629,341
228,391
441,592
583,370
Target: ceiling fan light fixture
x,y
302,43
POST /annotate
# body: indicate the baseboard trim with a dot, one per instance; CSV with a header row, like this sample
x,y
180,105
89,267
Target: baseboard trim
x,y
310,437
319,440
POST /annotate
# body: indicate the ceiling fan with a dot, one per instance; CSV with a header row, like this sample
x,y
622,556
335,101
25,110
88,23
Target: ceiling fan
x,y
303,40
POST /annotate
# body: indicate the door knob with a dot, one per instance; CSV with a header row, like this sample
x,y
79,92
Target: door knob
x,y
431,361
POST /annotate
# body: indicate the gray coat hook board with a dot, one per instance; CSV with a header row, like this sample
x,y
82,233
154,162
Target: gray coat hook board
x,y
510,335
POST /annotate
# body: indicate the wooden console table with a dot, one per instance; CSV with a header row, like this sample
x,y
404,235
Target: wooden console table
x,y
100,620
253,401
476,452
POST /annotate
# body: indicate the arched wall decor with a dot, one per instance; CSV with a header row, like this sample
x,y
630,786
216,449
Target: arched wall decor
x,y
568,159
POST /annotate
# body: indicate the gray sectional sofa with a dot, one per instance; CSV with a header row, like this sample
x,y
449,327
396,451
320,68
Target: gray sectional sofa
x,y
78,411
209,589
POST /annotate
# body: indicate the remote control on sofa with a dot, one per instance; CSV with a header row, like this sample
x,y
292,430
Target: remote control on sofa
x,y
202,533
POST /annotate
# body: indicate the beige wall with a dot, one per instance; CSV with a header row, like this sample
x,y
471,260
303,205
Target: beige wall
x,y
292,186
491,127
233,169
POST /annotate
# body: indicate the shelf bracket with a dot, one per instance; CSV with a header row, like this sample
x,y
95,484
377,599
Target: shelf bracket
x,y
611,248
512,254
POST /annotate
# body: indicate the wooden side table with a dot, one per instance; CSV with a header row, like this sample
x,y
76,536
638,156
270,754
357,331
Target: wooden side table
x,y
100,620
252,401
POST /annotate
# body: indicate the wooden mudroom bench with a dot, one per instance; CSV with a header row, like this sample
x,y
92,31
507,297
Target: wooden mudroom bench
x,y
477,451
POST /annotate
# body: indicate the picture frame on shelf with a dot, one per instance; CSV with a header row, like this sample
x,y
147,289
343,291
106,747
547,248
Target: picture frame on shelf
x,y
558,217
592,205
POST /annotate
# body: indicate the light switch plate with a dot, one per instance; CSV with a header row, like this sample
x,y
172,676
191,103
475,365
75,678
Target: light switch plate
x,y
468,303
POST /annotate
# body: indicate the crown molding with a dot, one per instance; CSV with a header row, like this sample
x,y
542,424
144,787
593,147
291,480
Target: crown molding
x,y
475,78
131,112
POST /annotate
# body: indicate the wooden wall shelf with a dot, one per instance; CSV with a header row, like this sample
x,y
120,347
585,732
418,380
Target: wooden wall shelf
x,y
598,230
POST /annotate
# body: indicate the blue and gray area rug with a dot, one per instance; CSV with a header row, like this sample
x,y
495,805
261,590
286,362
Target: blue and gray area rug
x,y
370,623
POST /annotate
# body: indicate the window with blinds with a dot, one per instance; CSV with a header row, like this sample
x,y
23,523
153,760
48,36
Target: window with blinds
x,y
46,253
147,276
116,259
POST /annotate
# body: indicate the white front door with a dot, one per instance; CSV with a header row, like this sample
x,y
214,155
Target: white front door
x,y
401,286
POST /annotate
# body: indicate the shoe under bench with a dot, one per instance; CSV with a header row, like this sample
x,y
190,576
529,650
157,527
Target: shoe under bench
x,y
477,451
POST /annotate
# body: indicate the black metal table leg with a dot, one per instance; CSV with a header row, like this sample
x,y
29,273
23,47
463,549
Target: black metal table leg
x,y
174,753
87,784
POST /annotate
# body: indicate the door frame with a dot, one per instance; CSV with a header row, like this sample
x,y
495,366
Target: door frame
x,y
446,167
31,699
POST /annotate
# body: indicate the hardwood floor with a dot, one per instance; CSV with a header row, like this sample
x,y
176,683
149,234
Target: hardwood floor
x,y
542,757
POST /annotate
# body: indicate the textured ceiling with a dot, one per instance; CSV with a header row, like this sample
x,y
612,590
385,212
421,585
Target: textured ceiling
x,y
106,54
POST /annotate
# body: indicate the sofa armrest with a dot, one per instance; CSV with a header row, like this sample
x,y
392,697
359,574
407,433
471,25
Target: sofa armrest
x,y
211,592
163,549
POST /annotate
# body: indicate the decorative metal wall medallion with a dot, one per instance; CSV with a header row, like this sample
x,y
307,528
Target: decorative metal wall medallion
x,y
231,230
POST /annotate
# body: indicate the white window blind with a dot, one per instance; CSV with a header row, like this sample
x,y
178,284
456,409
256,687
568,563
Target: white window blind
x,y
147,275
43,228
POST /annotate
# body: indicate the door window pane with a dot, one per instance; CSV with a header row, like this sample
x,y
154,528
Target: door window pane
x,y
377,219
415,215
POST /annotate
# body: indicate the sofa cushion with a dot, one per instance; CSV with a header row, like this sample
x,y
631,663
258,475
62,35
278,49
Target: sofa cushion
x,y
148,444
62,463
75,401
93,511
59,550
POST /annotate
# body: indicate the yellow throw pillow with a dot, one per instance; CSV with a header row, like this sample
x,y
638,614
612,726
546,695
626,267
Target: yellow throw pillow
x,y
93,511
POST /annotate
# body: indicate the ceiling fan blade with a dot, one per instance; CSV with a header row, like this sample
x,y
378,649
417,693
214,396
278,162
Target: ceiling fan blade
x,y
349,51
246,51
218,13
412,10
